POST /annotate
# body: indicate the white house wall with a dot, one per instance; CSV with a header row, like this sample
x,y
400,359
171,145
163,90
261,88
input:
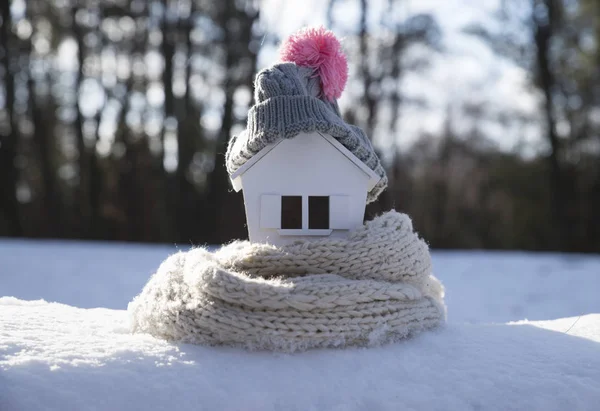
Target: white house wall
x,y
305,165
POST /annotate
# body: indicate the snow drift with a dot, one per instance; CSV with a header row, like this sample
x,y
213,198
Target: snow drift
x,y
57,357
72,356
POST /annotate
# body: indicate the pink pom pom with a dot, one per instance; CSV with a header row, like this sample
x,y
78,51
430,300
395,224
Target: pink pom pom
x,y
318,48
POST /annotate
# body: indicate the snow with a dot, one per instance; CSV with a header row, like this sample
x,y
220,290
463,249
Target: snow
x,y
74,352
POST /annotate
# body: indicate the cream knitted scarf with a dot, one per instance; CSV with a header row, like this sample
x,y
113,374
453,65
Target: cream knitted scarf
x,y
373,287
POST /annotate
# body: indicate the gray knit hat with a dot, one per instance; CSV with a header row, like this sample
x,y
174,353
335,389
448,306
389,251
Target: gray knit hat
x,y
289,100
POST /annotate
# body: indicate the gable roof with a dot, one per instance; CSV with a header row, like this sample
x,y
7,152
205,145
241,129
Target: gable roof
x,y
374,178
286,106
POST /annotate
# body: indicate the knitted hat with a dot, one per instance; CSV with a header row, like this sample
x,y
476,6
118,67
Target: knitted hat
x,y
299,95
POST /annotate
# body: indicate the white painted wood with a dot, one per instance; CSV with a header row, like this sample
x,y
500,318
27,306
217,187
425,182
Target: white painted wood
x,y
236,181
304,212
373,176
305,232
306,165
270,211
338,212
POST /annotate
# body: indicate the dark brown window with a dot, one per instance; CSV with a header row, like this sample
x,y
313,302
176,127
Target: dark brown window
x,y
318,212
291,212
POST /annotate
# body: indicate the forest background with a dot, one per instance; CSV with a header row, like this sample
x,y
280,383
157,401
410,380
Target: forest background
x,y
115,115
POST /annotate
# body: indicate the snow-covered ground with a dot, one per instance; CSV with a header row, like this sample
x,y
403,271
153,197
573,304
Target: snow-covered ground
x,y
74,351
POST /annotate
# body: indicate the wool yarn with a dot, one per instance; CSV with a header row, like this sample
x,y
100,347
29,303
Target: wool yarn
x,y
285,107
373,287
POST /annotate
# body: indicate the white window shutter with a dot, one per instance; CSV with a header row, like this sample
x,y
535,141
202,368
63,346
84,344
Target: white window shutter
x,y
339,213
270,211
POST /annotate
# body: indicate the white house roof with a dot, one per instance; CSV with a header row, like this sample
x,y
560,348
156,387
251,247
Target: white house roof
x,y
373,177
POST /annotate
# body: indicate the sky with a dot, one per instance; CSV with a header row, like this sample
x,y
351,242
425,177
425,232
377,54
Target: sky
x,y
467,70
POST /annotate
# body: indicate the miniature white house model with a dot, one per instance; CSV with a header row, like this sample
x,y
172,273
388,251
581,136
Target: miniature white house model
x,y
308,185
303,170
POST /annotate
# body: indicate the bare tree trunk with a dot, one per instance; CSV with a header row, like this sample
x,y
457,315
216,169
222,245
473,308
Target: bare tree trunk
x,y
95,176
85,208
218,190
367,77
8,143
370,103
543,32
44,143
390,197
168,52
167,181
225,208
187,132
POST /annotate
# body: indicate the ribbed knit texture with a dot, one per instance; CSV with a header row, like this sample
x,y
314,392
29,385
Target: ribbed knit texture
x,y
373,287
287,104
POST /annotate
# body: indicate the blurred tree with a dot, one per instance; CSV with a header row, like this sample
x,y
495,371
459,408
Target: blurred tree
x,y
383,56
556,41
225,212
115,117
44,141
9,216
121,99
